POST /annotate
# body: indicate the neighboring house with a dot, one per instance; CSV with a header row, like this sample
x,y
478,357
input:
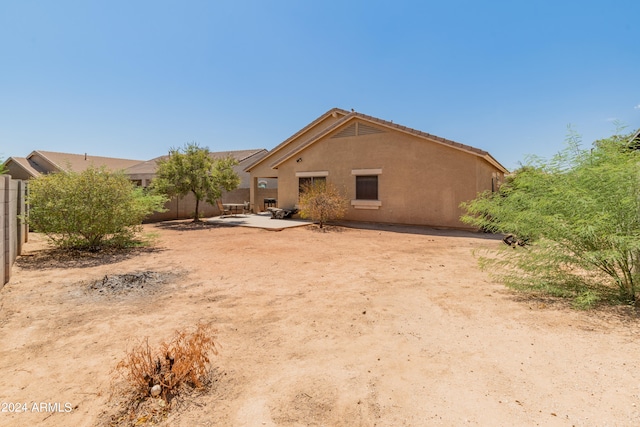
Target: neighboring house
x,y
390,173
43,162
142,172
634,141
183,207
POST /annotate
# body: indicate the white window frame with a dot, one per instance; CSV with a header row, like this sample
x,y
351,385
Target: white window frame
x,y
312,174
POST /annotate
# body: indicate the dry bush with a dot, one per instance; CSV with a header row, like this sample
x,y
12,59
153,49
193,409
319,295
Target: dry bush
x,y
184,361
322,202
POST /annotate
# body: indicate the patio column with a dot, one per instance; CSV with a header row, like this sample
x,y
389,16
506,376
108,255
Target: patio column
x,y
253,194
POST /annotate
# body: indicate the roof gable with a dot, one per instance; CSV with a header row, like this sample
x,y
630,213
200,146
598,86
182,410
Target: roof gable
x,y
350,124
326,119
22,164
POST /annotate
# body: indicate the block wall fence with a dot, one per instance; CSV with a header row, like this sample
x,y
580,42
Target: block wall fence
x,y
13,230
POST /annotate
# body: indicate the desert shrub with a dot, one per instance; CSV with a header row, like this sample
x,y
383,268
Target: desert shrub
x,y
162,371
322,202
89,209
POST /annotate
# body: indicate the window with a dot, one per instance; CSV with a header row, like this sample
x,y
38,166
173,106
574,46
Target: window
x,y
367,196
367,187
306,181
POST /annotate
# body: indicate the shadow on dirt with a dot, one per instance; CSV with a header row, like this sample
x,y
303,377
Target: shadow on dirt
x,y
418,229
189,225
623,313
59,258
327,228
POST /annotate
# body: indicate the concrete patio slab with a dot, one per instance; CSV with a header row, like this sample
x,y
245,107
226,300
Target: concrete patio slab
x,y
261,220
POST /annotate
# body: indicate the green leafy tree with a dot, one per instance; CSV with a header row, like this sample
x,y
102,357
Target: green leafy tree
x,y
3,168
322,202
580,214
90,209
193,170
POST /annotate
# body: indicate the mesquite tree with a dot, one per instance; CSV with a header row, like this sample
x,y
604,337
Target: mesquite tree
x,y
580,215
193,170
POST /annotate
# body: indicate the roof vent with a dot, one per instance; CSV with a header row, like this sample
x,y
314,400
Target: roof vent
x,y
346,132
357,129
367,130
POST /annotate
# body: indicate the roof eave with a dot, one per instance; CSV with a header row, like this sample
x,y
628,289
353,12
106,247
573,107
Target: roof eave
x,y
47,159
283,144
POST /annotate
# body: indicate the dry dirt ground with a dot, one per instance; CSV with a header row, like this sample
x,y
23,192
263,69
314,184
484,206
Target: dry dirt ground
x,y
354,327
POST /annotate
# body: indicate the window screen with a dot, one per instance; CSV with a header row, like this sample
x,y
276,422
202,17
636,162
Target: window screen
x,y
367,187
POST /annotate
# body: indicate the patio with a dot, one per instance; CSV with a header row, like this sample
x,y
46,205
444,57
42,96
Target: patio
x,y
261,220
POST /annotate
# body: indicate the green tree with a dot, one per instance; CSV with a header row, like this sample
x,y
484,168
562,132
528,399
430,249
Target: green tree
x,y
322,202
90,209
3,168
580,213
193,170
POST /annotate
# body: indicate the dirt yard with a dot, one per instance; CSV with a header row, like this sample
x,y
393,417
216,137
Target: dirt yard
x,y
354,327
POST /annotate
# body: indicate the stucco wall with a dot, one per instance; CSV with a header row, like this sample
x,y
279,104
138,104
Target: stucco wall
x,y
422,182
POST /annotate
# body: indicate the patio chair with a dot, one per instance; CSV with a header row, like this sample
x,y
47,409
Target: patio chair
x,y
223,211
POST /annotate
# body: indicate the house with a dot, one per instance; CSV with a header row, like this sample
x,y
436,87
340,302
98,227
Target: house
x,y
390,173
43,162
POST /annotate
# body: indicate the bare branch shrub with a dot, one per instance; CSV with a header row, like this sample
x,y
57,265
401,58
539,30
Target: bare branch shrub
x,y
322,202
161,372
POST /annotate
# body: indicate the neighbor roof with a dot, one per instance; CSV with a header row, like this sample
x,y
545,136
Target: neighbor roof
x,y
242,156
42,162
80,162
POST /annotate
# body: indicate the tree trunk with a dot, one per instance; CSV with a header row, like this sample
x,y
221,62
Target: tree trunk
x,y
196,218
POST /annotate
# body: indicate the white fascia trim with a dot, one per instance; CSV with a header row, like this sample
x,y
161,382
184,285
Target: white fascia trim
x,y
366,171
312,174
366,204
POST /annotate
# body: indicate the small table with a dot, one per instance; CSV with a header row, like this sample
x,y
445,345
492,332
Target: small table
x,y
234,208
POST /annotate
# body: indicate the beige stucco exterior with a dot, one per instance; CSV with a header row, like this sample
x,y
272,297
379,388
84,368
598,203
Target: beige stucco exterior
x,y
422,179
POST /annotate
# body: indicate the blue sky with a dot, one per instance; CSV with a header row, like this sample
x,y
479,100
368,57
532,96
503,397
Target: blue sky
x,y
133,78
